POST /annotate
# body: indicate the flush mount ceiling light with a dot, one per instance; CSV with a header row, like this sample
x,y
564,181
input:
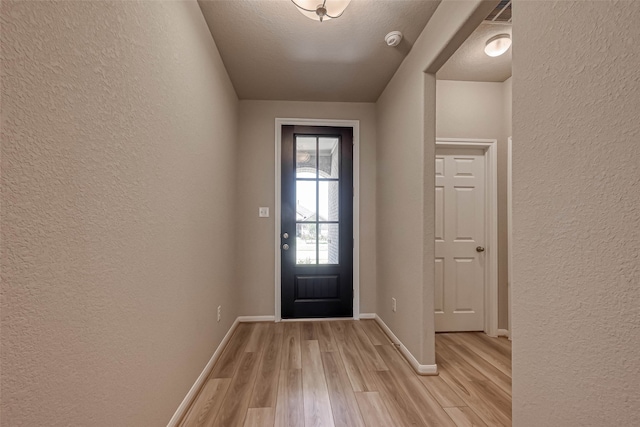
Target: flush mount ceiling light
x,y
303,156
497,45
321,10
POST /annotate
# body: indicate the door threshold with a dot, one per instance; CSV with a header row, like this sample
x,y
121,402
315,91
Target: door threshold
x,y
318,319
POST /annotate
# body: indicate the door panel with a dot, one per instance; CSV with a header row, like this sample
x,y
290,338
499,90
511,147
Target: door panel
x,y
439,214
317,222
439,291
459,230
464,281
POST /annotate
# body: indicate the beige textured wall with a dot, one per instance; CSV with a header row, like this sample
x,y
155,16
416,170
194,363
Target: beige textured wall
x,y
479,110
576,289
405,114
507,102
504,292
256,187
118,152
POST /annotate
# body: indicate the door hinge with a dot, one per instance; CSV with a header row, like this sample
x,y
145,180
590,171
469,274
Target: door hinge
x,y
353,243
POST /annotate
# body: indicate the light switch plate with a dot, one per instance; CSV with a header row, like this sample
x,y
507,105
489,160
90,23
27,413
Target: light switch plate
x,y
263,212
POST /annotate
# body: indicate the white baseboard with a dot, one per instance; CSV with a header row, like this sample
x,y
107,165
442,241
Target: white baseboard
x,y
503,333
420,369
195,388
367,315
245,319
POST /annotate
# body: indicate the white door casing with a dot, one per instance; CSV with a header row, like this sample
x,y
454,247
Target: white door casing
x,y
489,146
355,125
510,227
460,234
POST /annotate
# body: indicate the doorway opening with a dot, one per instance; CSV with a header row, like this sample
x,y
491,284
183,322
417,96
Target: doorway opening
x,y
317,219
466,284
473,100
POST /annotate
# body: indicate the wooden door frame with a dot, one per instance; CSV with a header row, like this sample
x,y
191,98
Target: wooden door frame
x,y
355,125
490,147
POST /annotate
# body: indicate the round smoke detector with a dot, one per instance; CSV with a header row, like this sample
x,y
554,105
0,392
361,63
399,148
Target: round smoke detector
x,y
393,38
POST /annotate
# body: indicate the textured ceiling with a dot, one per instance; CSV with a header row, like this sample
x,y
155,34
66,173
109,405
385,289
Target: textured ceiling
x,y
470,63
271,51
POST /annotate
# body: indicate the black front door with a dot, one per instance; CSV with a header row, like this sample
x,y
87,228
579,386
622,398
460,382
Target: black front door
x,y
316,241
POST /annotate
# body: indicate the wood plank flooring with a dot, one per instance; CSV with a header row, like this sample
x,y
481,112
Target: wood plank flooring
x,y
348,374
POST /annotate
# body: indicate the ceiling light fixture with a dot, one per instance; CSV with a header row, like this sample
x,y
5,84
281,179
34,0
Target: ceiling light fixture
x,y
497,45
327,9
302,156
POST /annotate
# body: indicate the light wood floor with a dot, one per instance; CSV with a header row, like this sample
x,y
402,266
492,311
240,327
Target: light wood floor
x,y
348,373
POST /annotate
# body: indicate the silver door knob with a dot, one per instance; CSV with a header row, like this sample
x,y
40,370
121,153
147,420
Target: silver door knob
x,y
285,247
285,236
479,249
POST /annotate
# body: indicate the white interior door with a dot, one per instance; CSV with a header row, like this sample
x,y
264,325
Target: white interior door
x,y
460,239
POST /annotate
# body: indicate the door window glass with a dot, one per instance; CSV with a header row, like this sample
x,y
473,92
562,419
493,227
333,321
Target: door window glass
x,y
317,199
306,243
306,201
329,160
328,244
306,157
